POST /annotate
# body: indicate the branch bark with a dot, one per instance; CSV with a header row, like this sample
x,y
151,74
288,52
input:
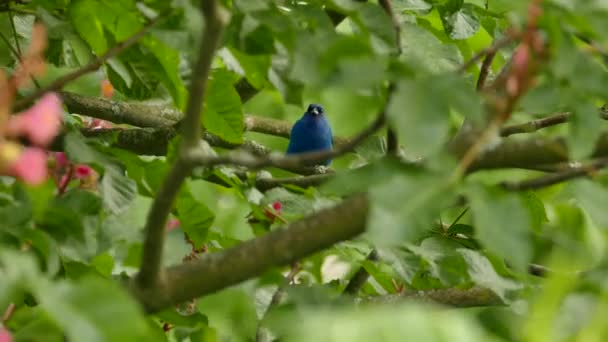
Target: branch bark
x,y
215,271
475,296
149,275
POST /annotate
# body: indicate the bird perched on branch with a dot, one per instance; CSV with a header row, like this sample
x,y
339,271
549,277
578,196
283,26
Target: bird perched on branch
x,y
311,133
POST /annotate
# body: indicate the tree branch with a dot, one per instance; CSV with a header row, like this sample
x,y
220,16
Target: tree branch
x,y
485,69
475,296
575,171
149,274
535,125
94,65
265,184
132,113
215,271
497,45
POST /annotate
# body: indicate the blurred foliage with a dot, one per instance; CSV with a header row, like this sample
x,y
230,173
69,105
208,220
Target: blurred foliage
x,y
62,258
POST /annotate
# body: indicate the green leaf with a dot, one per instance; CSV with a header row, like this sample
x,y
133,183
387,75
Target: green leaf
x,y
585,127
223,113
421,48
483,274
94,309
388,323
592,197
168,73
460,24
419,116
405,207
444,262
536,208
117,190
83,14
411,5
195,217
120,18
502,224
231,312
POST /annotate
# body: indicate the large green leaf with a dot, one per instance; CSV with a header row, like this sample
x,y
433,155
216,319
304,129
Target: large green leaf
x,y
223,113
84,16
168,73
483,274
378,323
94,309
503,224
194,216
406,206
419,116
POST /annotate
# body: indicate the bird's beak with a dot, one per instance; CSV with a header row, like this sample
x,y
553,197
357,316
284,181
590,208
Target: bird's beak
x,y
315,111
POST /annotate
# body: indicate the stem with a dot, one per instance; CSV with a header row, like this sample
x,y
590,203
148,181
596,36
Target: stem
x,y
360,278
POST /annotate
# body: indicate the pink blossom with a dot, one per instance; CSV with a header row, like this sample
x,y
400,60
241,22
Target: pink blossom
x,y
82,171
30,166
41,122
5,335
172,224
277,206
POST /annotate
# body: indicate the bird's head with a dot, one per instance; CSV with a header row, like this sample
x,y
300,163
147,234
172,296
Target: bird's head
x,y
315,109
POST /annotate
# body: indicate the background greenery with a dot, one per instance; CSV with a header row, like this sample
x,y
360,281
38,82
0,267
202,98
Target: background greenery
x,y
442,241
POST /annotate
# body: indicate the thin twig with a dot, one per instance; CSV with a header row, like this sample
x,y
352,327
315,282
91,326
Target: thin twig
x,y
8,312
392,140
485,69
11,47
149,274
499,44
535,125
360,278
94,65
554,178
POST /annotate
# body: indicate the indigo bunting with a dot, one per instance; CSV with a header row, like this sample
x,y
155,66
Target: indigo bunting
x,y
311,133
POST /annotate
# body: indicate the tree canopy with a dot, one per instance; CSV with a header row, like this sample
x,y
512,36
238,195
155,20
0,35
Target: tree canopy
x,y
145,193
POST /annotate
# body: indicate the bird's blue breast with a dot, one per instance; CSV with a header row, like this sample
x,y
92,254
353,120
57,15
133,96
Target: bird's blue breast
x,y
310,133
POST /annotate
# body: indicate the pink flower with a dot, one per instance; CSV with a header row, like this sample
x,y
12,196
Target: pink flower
x,y
30,166
5,335
277,206
41,122
82,171
172,224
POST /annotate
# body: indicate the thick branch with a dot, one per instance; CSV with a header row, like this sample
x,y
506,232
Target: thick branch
x,y
94,65
215,271
475,296
149,274
132,113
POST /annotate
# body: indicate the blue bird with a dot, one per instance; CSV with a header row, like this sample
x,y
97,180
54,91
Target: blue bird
x,y
311,133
